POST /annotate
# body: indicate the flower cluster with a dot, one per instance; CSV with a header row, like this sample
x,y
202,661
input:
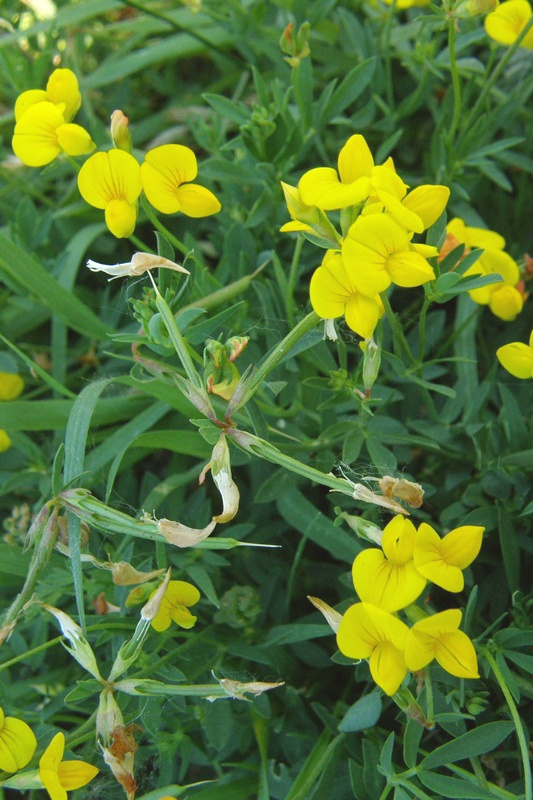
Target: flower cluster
x,y
112,180
17,748
43,127
378,218
505,299
507,22
11,386
517,358
390,580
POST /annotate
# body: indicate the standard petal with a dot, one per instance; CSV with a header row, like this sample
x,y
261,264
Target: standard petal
x,y
385,585
461,546
399,540
175,162
63,87
355,159
505,24
387,667
28,99
409,269
17,744
159,189
427,202
455,653
516,358
197,201
51,758
74,140
120,217
75,774
182,593
115,175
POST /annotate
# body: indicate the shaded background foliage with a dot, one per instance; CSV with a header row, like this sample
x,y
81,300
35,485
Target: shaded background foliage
x,y
217,81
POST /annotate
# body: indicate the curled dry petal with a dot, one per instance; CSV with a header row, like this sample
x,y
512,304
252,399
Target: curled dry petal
x,y
332,617
139,264
182,535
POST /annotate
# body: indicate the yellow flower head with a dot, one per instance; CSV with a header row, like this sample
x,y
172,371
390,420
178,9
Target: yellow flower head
x,y
517,358
389,579
5,441
379,252
328,190
59,776
369,632
62,90
166,173
507,22
334,292
442,560
112,181
11,386
17,743
438,637
175,605
42,133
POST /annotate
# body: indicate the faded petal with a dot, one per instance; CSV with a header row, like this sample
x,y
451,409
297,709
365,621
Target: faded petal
x,y
182,535
516,358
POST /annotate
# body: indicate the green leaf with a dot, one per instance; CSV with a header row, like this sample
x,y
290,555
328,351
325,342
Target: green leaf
x,y
364,714
353,84
228,109
446,786
32,278
474,743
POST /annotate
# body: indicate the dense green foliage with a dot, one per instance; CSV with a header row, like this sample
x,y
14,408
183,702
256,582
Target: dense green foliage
x,y
103,409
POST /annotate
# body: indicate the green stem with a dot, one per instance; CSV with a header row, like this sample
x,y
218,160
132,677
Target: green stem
x,y
139,244
387,52
523,744
488,84
455,81
430,710
397,330
280,351
422,329
178,341
158,225
293,274
226,293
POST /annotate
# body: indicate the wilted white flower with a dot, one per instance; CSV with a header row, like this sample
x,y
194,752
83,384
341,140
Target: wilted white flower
x,y
139,264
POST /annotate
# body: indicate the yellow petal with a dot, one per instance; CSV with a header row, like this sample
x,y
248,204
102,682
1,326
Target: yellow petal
x,y
51,758
35,138
5,441
386,180
11,387
385,585
120,217
197,201
409,269
516,358
75,774
17,744
506,302
508,20
419,650
161,621
330,288
456,654
183,617
52,784
28,99
294,226
355,159
74,140
427,202
387,667
182,593
114,175
430,563
62,87
321,187
461,546
362,314
399,540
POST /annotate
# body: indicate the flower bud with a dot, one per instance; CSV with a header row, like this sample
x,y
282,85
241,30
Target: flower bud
x,y
371,364
120,133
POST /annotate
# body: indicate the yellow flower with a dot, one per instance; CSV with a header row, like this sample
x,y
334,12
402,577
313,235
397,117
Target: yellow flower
x,y
507,22
112,181
11,386
175,604
517,358
442,560
42,133
415,211
17,743
166,173
297,210
328,190
369,632
62,90
389,579
334,292
438,637
59,776
505,300
379,252
5,441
